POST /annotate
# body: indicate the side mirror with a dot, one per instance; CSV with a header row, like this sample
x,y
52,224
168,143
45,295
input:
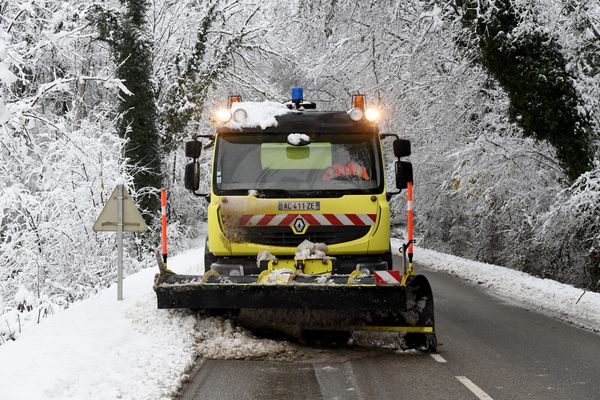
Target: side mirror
x,y
193,149
404,174
402,148
192,175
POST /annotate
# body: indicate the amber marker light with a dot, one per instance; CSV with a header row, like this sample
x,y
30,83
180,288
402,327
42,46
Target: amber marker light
x,y
359,101
234,99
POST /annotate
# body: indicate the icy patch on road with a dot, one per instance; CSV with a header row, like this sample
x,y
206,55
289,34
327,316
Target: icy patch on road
x,y
545,295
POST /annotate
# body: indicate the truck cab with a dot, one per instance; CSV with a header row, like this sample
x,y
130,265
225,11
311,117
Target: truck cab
x,y
310,176
299,226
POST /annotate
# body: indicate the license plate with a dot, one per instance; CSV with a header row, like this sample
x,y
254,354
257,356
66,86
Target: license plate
x,y
299,206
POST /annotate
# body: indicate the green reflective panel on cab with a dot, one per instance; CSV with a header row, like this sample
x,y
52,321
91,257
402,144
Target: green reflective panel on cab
x,y
285,156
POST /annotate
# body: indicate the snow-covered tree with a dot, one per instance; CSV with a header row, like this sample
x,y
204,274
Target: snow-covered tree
x,y
60,155
126,33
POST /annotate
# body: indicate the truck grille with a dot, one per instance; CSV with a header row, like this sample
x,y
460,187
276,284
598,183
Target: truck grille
x,y
283,235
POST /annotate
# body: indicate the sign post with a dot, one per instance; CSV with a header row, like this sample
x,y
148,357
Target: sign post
x,y
121,215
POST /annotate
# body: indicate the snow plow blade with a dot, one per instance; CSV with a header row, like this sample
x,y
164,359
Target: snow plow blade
x,y
309,303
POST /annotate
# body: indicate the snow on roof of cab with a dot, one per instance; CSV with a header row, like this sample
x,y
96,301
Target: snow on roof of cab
x,y
259,114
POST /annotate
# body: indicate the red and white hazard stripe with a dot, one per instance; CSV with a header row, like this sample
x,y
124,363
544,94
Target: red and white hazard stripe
x,y
388,277
311,219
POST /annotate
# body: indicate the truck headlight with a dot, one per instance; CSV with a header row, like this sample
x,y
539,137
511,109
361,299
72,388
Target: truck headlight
x,y
372,114
222,115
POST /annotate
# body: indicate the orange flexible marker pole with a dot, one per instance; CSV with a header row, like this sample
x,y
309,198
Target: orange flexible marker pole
x,y
163,204
409,190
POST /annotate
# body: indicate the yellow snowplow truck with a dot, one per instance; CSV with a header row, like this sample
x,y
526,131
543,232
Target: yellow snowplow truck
x,y
299,225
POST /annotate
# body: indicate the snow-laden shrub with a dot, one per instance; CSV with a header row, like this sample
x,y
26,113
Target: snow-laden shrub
x,y
566,243
29,310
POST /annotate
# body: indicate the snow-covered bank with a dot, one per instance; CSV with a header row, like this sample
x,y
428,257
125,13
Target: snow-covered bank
x,y
104,349
544,295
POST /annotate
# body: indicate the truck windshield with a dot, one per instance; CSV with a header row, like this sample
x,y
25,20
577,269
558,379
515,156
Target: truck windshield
x,y
331,165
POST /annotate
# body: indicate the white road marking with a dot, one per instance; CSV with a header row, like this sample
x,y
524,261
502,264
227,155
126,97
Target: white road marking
x,y
336,381
438,358
474,388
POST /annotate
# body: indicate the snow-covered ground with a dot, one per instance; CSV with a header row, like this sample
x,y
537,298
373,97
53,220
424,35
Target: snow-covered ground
x,y
104,349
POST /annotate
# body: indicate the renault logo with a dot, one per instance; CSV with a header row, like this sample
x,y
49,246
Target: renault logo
x,y
299,225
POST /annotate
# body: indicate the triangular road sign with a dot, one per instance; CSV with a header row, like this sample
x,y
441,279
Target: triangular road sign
x,y
132,219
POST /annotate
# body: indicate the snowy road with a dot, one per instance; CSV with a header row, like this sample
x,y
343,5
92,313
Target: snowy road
x,y
489,350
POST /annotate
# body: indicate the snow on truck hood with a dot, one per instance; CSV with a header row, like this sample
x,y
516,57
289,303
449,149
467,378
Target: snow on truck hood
x,y
259,114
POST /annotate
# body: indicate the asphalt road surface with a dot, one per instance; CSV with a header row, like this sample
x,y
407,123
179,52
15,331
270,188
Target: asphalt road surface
x,y
488,350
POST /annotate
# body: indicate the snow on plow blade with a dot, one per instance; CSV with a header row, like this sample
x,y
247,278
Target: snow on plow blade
x,y
310,302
